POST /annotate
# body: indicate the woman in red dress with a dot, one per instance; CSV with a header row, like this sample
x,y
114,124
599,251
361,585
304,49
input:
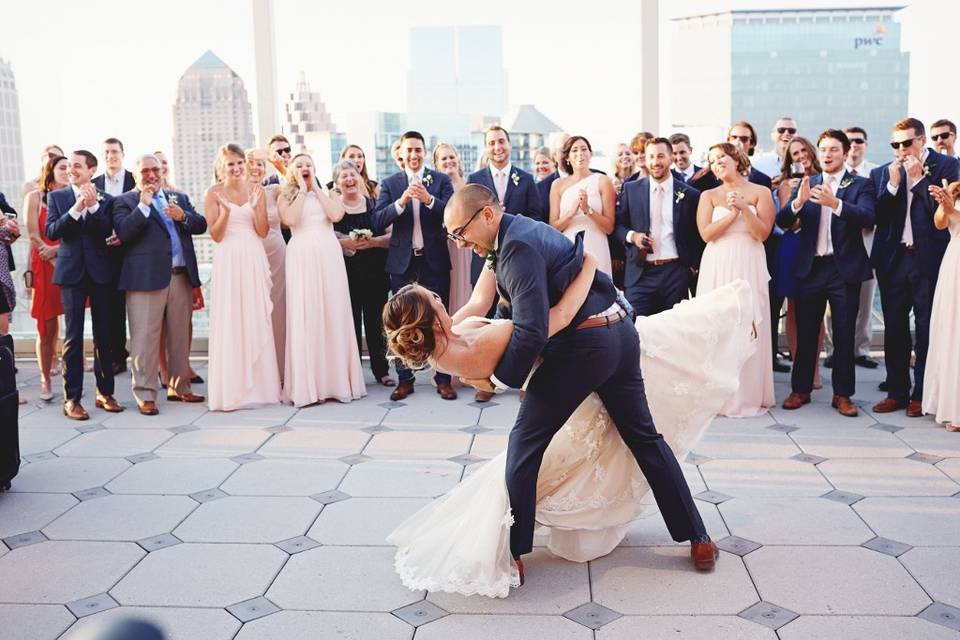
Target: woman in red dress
x,y
46,307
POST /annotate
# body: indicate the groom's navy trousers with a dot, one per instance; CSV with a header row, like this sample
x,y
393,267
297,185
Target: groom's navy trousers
x,y
575,363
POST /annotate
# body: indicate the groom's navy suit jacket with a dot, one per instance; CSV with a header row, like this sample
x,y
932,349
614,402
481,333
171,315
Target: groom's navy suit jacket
x,y
535,265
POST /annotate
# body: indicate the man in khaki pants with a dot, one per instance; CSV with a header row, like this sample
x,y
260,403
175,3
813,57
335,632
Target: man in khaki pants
x,y
159,274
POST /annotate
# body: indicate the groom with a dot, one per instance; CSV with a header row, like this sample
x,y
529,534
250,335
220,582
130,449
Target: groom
x,y
599,351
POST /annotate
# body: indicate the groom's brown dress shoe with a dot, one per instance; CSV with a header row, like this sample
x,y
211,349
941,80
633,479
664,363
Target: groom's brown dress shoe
x,y
845,406
888,405
796,400
914,409
704,555
73,410
108,403
482,396
446,391
402,391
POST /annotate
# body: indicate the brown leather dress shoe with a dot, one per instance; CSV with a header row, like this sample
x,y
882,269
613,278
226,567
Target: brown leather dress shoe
x,y
483,396
148,408
108,403
73,410
888,405
402,391
914,409
704,555
184,397
796,400
845,406
520,569
446,391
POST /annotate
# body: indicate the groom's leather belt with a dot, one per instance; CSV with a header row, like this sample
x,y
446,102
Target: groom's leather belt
x,y
418,252
661,262
603,321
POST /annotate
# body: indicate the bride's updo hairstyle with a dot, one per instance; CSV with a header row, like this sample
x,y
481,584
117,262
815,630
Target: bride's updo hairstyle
x,y
408,320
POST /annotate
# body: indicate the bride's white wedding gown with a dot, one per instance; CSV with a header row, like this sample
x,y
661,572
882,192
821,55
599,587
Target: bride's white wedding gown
x,y
589,487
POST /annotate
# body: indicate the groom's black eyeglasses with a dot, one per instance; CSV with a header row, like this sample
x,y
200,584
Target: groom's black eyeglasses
x,y
457,234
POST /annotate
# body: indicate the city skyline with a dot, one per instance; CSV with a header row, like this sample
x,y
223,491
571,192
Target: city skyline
x,y
547,57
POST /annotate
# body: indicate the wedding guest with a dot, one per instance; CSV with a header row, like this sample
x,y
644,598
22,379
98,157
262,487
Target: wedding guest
x,y
321,361
115,180
46,306
33,184
543,164
395,153
944,135
198,302
546,182
584,201
366,262
622,166
159,274
78,217
242,355
279,156
446,160
355,154
9,232
682,150
907,251
657,220
782,133
799,151
733,220
829,211
638,145
276,250
413,200
940,396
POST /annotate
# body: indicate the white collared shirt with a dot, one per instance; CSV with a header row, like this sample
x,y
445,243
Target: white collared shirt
x,y
77,214
688,172
826,212
503,174
665,247
419,177
114,185
907,236
862,169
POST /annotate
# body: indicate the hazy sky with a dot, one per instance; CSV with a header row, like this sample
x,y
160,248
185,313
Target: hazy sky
x,y
90,70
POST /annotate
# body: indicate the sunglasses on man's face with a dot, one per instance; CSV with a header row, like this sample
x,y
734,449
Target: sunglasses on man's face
x,y
941,136
283,151
790,130
902,144
857,140
743,139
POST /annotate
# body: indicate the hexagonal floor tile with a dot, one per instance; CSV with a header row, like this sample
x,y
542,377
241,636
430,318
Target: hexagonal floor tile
x,y
35,621
62,571
405,445
363,521
318,576
37,440
67,475
309,625
850,443
935,440
936,570
276,477
213,443
114,443
258,418
888,478
685,627
401,478
315,443
665,577
863,628
835,580
173,622
249,519
515,627
22,512
649,529
121,518
200,575
181,476
915,521
763,478
431,409
800,521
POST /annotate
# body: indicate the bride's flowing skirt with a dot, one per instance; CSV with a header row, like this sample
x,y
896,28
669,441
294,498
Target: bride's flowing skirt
x,y
589,487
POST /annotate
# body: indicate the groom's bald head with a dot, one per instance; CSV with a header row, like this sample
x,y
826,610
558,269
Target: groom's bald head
x,y
472,216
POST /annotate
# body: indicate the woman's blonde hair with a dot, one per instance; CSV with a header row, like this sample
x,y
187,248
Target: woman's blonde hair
x,y
408,320
222,153
436,156
291,187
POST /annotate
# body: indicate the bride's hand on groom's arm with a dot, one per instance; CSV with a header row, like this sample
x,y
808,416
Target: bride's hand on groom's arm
x,y
480,384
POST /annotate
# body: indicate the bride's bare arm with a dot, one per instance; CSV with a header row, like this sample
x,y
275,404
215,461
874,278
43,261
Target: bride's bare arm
x,y
573,298
480,299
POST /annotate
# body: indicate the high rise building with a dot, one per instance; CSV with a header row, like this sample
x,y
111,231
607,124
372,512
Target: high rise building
x,y
305,113
11,143
212,109
529,130
822,67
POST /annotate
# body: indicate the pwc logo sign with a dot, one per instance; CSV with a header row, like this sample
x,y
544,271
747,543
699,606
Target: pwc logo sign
x,y
875,40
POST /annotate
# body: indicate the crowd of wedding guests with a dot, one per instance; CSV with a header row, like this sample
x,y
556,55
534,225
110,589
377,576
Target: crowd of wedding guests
x,y
303,266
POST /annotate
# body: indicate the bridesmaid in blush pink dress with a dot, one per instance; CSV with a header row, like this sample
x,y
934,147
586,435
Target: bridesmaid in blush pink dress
x,y
447,160
276,250
322,362
243,369
734,219
584,201
941,377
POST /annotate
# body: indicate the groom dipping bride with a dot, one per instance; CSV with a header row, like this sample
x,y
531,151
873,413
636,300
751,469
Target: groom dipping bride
x,y
556,308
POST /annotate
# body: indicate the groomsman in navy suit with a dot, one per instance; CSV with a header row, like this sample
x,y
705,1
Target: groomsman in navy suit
x,y
682,149
831,211
79,217
657,221
907,252
413,201
515,188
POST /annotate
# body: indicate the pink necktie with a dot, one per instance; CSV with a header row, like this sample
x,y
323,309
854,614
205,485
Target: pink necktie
x,y
656,210
417,230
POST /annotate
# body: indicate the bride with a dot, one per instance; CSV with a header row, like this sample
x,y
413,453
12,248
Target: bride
x,y
589,487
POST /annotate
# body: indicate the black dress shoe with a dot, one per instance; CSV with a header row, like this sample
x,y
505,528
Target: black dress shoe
x,y
779,367
866,362
196,380
883,386
828,361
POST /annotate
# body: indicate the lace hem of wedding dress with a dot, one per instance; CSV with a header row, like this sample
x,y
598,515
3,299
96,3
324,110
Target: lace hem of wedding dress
x,y
409,576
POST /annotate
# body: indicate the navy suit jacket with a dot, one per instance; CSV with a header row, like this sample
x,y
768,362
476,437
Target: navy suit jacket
x,y
535,265
543,190
846,229
633,214
128,181
521,198
709,181
83,247
931,243
431,221
149,253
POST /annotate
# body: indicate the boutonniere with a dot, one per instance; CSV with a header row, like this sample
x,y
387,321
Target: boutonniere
x,y
680,194
490,262
927,169
99,196
427,179
845,183
515,177
172,199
